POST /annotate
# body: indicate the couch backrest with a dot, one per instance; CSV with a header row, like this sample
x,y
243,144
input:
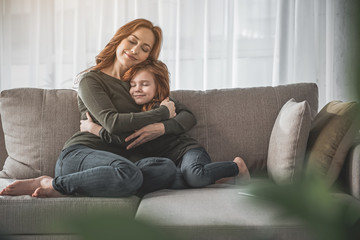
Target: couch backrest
x,y
238,122
230,122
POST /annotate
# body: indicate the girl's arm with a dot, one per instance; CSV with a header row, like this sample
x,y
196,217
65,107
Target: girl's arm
x,y
93,96
90,126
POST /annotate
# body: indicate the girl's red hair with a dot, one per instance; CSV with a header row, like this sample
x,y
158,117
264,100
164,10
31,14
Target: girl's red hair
x,y
161,77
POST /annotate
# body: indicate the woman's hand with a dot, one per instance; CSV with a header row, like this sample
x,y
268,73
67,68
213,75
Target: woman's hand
x,y
145,134
170,105
89,125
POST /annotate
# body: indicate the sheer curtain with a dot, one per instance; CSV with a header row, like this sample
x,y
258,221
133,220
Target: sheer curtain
x,y
207,43
314,43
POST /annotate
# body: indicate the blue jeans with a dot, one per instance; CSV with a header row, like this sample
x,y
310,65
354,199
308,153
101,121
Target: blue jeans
x,y
196,170
86,171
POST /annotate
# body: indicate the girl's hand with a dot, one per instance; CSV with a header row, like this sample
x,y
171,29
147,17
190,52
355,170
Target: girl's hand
x,y
170,105
89,125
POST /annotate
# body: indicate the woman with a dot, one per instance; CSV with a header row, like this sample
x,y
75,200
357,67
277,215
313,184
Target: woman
x,y
87,165
149,81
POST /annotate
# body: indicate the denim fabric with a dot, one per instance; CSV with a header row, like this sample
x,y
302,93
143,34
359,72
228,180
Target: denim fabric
x,y
86,171
158,173
196,170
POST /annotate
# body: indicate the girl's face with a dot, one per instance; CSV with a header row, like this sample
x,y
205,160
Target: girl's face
x,y
135,48
142,87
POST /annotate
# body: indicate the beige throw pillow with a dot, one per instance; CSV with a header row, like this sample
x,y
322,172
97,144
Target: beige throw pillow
x,y
288,142
36,124
331,136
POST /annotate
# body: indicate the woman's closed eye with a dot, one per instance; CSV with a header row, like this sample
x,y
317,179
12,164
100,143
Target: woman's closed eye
x,y
145,49
134,41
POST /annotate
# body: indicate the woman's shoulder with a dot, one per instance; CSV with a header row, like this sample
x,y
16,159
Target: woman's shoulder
x,y
83,75
92,76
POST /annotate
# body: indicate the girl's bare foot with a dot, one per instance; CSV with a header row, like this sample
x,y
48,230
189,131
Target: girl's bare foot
x,y
23,187
244,176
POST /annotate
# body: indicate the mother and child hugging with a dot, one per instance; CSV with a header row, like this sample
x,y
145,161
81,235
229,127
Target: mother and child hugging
x,y
132,137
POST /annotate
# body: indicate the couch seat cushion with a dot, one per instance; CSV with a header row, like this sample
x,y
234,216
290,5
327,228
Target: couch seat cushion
x,y
28,215
217,213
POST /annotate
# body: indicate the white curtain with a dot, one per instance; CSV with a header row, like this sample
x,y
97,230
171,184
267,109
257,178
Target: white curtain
x,y
207,43
312,44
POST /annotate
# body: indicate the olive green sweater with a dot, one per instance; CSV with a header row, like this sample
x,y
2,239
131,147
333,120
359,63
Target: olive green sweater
x,y
108,101
172,146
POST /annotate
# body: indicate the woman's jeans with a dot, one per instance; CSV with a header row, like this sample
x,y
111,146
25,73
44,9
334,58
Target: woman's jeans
x,y
196,170
86,171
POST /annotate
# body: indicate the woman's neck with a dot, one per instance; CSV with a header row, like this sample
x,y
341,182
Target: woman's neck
x,y
113,71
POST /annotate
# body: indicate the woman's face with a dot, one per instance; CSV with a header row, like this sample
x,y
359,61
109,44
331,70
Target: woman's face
x,y
143,87
135,48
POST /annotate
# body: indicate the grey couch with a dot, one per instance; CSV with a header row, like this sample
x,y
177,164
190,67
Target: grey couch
x,y
230,122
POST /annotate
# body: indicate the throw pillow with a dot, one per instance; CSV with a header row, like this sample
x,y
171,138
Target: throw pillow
x,y
36,124
331,136
288,140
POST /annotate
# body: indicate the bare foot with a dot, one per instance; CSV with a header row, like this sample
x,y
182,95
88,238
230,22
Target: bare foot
x,y
23,187
244,176
46,190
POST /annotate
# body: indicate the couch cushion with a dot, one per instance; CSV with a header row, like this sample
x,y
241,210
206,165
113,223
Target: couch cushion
x,y
36,124
288,142
28,215
239,121
217,213
331,136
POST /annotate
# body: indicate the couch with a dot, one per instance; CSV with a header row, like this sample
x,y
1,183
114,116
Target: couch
x,y
276,130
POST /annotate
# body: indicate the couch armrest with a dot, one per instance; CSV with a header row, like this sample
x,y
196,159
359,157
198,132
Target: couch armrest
x,y
353,171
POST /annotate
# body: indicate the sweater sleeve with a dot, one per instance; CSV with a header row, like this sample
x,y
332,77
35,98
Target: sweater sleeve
x,y
98,103
112,138
182,122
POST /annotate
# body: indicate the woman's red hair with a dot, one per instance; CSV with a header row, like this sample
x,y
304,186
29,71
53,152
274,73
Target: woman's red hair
x,y
161,77
107,56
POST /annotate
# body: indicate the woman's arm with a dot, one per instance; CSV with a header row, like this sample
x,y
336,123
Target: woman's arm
x,y
97,101
88,125
186,120
181,123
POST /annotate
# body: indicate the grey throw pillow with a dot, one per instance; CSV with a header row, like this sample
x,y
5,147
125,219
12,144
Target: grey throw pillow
x,y
288,142
36,124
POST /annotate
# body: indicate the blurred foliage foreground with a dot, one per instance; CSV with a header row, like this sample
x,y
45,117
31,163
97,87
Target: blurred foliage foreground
x,y
327,215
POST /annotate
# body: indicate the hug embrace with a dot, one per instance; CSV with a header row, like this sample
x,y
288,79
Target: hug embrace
x,y
132,137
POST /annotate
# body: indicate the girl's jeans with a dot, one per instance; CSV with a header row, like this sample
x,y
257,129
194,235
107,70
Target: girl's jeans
x,y
86,171
196,170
